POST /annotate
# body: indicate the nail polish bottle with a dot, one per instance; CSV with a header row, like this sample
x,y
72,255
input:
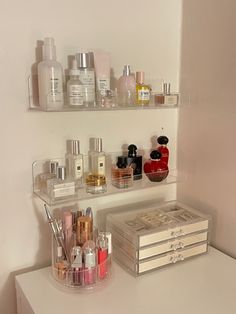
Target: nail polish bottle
x,y
102,253
74,162
143,91
60,187
135,161
89,250
155,169
126,88
166,98
122,174
96,180
163,149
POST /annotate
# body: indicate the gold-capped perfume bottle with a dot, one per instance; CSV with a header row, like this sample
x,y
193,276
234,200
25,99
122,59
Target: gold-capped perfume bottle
x,y
143,91
96,180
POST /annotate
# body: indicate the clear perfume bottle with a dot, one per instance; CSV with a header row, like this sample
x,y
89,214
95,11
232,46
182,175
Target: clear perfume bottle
x,y
96,180
143,91
122,174
43,177
60,187
75,88
126,88
87,77
74,162
166,98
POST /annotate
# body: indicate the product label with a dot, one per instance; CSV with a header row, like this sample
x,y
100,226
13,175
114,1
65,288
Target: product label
x,y
76,95
103,84
78,168
87,79
144,94
171,100
101,165
64,189
55,89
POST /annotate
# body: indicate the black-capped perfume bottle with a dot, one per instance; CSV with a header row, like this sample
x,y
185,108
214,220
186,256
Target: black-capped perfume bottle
x,y
135,161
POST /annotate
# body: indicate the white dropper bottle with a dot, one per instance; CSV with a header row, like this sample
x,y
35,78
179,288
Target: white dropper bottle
x,y
50,78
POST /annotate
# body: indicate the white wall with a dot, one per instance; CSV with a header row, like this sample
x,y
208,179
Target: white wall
x,y
206,148
144,34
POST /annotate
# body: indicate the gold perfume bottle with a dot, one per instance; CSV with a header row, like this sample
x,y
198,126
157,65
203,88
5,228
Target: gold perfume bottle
x,y
143,91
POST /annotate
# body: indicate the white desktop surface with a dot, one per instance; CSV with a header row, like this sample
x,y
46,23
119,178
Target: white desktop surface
x,y
203,285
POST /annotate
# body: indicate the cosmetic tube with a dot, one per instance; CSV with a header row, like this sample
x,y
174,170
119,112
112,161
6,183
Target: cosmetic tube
x,y
84,229
89,250
76,266
68,230
102,71
102,245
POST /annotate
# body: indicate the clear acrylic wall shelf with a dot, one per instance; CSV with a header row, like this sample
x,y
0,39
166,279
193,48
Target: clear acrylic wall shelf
x,y
42,167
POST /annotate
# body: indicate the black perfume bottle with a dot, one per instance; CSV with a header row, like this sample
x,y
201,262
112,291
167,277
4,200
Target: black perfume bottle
x,y
135,161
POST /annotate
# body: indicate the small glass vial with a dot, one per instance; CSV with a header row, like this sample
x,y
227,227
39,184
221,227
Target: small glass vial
x,y
143,91
135,161
60,187
43,177
122,175
102,253
96,180
163,149
74,162
166,98
89,250
75,88
87,77
155,169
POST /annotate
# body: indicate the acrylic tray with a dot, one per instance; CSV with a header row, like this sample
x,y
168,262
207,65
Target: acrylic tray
x,y
42,166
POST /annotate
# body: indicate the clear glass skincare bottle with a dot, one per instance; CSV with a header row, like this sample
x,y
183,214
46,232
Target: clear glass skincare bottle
x,y
50,78
74,162
75,88
60,187
126,88
122,174
87,77
96,180
143,91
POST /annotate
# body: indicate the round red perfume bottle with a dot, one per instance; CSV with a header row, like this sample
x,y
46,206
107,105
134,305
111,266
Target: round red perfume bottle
x,y
155,169
163,149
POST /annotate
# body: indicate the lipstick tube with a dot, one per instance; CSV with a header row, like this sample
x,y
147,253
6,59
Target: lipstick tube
x,y
84,229
102,244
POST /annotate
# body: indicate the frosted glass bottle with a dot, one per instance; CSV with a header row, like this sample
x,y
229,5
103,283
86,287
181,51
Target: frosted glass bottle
x,y
50,78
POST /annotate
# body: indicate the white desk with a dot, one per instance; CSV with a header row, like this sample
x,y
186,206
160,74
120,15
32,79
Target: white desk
x,y
203,285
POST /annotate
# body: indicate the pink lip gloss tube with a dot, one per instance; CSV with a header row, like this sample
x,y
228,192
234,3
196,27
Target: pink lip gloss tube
x,y
89,249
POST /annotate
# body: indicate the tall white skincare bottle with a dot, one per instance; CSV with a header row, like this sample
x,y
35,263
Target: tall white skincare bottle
x,y
50,78
87,77
75,89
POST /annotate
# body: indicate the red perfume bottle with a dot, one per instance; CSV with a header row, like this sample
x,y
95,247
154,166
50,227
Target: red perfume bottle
x,y
163,149
155,169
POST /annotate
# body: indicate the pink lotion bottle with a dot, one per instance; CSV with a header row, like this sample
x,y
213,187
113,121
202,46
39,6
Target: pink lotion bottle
x,y
126,88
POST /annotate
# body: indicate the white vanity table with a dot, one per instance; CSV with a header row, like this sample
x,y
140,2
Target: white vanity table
x,y
203,285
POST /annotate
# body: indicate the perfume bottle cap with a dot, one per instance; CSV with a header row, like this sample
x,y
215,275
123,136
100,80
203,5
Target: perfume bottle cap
x,y
162,140
84,60
61,172
122,162
166,89
132,150
140,77
126,70
95,144
53,167
74,71
73,147
49,49
155,154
